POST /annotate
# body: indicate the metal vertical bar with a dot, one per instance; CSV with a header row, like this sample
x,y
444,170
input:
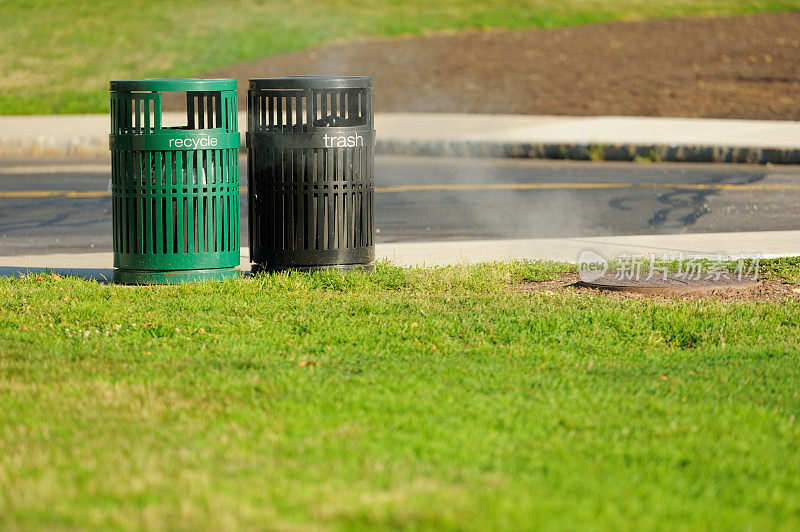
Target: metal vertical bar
x,y
186,224
157,226
148,171
308,197
137,116
178,207
219,122
190,110
261,208
234,113
202,237
141,229
271,199
311,109
330,178
288,187
279,113
157,110
208,203
198,230
350,197
210,110
252,226
287,116
319,198
298,108
252,109
271,120
113,105
191,171
132,239
146,102
180,175
114,197
158,163
356,197
235,218
191,207
220,194
128,114
167,228
147,221
164,220
340,218
211,213
115,223
371,198
201,115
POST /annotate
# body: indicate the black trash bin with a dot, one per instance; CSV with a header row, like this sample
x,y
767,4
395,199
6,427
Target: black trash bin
x,y
310,147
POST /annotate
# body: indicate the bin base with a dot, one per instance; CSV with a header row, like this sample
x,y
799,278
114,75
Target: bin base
x,y
125,276
260,268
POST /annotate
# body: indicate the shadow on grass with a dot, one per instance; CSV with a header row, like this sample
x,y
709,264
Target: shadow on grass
x,y
101,275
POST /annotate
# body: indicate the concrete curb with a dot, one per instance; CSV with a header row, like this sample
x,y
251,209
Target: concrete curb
x,y
98,147
604,138
592,152
54,147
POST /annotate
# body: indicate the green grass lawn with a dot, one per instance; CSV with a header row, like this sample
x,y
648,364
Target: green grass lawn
x,y
57,57
419,398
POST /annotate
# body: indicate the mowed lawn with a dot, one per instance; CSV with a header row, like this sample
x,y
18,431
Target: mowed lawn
x,y
420,398
57,57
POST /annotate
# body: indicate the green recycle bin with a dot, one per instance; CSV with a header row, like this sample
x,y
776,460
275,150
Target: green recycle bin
x,y
174,189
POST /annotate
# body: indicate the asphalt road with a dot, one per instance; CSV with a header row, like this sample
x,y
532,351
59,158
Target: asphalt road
x,y
429,199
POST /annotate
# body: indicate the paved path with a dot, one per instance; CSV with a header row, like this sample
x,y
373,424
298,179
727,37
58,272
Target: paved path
x,y
49,206
607,137
591,130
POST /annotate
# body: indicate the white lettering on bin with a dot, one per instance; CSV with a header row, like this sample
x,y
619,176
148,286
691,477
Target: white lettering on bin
x,y
202,142
343,141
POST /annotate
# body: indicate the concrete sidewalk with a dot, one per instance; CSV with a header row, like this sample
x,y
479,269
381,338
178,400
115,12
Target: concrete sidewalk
x,y
766,244
464,135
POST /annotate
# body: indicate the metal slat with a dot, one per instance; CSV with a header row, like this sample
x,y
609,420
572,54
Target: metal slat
x,y
210,110
137,115
298,109
190,117
157,111
146,101
218,202
271,119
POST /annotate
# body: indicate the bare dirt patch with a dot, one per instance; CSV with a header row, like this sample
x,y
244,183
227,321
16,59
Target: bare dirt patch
x,y
737,67
768,289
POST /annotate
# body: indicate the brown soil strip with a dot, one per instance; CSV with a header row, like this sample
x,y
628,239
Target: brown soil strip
x,y
739,67
670,284
775,290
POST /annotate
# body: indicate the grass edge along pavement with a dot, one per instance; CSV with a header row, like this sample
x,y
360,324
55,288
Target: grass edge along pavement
x,y
88,43
412,397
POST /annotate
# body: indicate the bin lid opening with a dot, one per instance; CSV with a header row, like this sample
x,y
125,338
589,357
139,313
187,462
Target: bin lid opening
x,y
172,84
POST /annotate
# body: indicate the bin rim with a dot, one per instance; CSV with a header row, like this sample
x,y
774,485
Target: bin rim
x,y
172,84
312,82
